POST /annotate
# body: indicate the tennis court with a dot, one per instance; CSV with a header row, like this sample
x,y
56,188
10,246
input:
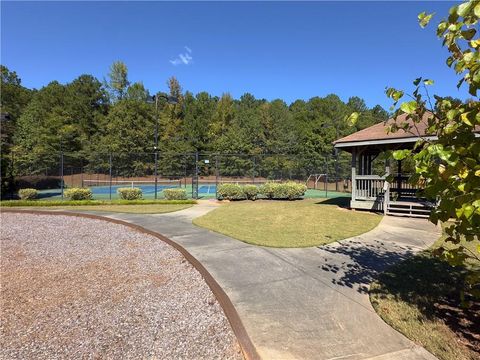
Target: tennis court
x,y
207,189
146,189
150,189
101,190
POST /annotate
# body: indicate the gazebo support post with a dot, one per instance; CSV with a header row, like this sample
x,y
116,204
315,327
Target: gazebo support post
x,y
354,171
399,178
386,194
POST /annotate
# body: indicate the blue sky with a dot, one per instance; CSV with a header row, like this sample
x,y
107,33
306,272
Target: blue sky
x,y
272,50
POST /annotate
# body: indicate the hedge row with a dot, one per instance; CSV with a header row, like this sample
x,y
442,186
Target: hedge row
x,y
289,190
77,194
39,182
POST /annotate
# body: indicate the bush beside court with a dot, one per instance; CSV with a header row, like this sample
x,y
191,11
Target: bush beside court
x,y
130,193
78,194
28,194
270,190
175,194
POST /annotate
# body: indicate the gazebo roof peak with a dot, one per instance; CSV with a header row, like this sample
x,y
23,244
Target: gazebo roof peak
x,y
378,133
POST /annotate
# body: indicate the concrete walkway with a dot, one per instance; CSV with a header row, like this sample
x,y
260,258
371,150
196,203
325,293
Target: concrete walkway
x,y
309,303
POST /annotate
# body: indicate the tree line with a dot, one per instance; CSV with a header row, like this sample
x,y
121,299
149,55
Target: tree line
x,y
88,118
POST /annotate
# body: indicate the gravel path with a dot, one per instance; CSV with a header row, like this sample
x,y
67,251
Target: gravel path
x,y
82,288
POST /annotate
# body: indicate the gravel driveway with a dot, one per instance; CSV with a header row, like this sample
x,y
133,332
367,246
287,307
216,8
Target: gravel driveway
x,y
82,288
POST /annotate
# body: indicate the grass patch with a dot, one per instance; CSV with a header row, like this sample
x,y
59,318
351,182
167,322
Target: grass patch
x,y
131,209
123,206
300,223
63,203
420,297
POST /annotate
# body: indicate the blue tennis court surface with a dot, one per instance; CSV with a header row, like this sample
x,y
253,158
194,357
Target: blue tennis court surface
x,y
146,189
207,189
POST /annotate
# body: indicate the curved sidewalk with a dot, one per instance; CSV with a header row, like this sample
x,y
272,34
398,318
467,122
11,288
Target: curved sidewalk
x,y
309,303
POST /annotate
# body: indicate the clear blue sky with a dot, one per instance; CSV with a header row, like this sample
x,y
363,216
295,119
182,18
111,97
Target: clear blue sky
x,y
272,50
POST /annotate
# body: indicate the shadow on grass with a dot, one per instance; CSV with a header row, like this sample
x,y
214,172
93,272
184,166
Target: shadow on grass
x,y
341,201
363,262
49,194
433,287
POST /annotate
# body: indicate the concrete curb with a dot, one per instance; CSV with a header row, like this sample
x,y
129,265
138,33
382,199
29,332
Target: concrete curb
x,y
248,349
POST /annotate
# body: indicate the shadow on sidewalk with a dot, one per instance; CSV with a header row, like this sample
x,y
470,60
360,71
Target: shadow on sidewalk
x,y
363,262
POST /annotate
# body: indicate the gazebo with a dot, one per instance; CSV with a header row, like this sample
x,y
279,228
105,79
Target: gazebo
x,y
373,192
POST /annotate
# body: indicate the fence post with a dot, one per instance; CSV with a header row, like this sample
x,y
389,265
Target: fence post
x,y
216,176
110,173
196,175
81,171
326,177
254,166
156,172
61,173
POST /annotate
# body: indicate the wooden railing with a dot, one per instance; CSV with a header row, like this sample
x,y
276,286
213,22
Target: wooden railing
x,y
371,187
368,187
402,187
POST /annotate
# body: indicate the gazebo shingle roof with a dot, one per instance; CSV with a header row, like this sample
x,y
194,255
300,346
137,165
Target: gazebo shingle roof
x,y
379,131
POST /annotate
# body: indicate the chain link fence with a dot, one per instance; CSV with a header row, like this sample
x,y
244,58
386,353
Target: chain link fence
x,y
199,173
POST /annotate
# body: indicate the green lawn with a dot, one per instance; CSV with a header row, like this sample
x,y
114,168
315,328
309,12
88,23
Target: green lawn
x,y
125,206
420,297
299,223
131,209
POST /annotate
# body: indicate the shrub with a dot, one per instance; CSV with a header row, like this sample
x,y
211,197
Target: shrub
x,y
250,192
175,194
293,190
78,194
230,192
27,194
267,190
39,182
130,193
290,190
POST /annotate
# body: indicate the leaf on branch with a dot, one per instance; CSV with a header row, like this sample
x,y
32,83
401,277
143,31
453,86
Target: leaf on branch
x,y
409,107
464,8
352,119
401,154
463,173
465,119
428,82
417,81
394,93
424,19
451,114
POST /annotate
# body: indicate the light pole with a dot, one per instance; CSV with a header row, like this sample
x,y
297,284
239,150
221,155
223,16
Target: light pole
x,y
170,100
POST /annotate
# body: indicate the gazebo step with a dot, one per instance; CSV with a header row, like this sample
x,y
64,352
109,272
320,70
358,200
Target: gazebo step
x,y
417,204
408,215
409,208
400,210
